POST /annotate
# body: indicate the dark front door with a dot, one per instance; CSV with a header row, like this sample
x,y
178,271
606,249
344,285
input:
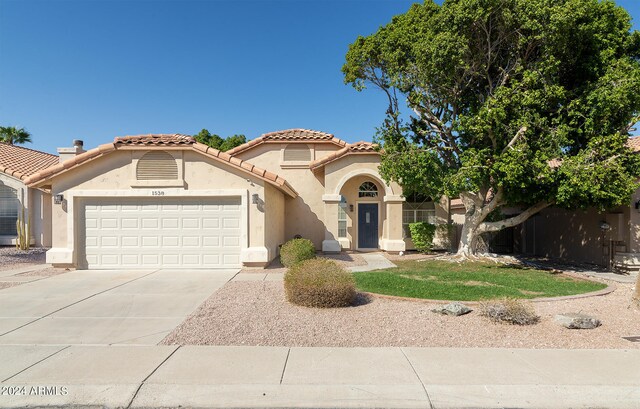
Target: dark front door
x,y
367,225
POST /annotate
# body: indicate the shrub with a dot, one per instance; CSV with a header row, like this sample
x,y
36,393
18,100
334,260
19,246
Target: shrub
x,y
320,283
509,311
295,251
422,234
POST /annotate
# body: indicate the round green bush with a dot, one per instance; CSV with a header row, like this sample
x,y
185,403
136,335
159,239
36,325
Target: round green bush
x,y
295,251
320,283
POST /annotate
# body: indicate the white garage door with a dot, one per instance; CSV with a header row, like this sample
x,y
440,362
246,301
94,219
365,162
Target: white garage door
x,y
162,232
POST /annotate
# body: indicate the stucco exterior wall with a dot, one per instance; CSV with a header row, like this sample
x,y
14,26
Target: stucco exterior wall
x,y
37,205
274,209
40,216
305,214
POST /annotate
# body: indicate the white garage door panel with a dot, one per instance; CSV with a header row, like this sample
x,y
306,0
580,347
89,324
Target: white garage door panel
x,y
162,232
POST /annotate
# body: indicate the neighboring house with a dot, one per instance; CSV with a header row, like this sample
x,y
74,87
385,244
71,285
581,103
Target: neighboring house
x,y
165,200
16,164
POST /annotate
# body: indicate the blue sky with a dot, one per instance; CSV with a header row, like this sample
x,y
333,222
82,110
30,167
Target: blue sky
x,y
94,70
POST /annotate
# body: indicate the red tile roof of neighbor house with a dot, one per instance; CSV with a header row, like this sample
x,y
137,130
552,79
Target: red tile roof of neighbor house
x,y
361,147
159,141
21,162
296,135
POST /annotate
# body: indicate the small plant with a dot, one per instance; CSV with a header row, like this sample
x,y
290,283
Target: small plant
x,y
320,283
422,234
509,311
296,250
23,239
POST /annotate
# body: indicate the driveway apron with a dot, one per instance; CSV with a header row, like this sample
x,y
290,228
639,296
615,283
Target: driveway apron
x,y
104,306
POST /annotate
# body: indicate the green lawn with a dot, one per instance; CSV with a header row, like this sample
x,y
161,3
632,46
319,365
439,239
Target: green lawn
x,y
442,280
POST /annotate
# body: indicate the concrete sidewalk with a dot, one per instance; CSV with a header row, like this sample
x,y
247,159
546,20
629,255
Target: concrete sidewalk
x,y
210,376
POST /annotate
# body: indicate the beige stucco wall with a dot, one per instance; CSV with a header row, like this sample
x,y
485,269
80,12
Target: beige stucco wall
x,y
37,206
115,173
274,208
304,214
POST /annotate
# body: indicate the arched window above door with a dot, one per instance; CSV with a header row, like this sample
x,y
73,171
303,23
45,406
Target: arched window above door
x,y
368,189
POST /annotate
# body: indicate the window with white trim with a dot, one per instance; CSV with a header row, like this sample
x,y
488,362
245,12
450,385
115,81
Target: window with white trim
x,y
9,208
342,218
417,209
368,189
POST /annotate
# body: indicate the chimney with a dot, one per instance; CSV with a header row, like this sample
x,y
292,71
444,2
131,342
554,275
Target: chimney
x,y
67,153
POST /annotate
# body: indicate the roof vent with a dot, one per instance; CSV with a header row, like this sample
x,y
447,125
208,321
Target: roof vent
x,y
157,166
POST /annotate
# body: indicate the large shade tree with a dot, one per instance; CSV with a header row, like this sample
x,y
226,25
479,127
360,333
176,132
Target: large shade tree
x,y
13,135
217,142
524,103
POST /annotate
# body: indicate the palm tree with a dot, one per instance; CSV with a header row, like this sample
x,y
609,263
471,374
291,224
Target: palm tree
x,y
13,135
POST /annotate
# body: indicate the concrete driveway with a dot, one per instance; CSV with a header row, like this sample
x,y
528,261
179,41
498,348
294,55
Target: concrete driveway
x,y
104,307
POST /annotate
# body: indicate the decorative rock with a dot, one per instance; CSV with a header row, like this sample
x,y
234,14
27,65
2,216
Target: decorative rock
x,y
577,321
454,308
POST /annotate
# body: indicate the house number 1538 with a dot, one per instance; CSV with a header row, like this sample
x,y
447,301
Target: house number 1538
x,y
157,193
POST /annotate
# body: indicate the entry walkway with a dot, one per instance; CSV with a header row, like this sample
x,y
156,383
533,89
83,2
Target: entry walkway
x,y
269,377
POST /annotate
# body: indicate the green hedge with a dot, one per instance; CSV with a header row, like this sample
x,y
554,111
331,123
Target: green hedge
x,y
422,234
296,250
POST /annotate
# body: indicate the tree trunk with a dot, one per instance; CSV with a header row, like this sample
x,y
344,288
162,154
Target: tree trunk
x,y
470,235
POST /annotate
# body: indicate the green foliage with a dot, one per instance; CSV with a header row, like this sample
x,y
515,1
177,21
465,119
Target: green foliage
x,y
495,89
509,311
216,142
13,135
469,281
296,250
422,234
319,283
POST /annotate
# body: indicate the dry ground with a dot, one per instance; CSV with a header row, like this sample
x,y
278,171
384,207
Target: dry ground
x,y
11,257
256,313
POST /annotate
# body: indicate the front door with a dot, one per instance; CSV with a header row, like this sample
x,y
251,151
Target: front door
x,y
367,225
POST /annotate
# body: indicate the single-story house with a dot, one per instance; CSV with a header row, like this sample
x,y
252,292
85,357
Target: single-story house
x,y
153,201
166,200
20,202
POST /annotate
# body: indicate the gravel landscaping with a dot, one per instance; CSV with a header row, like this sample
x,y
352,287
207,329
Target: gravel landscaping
x,y
256,313
30,276
11,257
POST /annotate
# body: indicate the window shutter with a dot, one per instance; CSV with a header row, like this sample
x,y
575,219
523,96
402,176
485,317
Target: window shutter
x,y
157,166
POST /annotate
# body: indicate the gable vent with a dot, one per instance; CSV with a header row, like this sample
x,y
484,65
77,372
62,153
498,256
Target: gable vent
x,y
157,166
297,153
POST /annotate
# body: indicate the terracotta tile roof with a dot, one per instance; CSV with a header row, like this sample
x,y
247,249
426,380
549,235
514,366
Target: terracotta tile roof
x,y
354,148
21,162
634,143
155,139
144,142
289,135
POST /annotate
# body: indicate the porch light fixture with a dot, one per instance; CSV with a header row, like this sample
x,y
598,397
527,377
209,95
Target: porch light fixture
x,y
58,199
351,208
255,199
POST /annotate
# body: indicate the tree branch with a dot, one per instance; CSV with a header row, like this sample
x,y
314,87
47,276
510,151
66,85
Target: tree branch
x,y
486,227
515,139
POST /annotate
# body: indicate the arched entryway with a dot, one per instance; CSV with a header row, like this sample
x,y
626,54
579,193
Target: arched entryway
x,y
363,213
